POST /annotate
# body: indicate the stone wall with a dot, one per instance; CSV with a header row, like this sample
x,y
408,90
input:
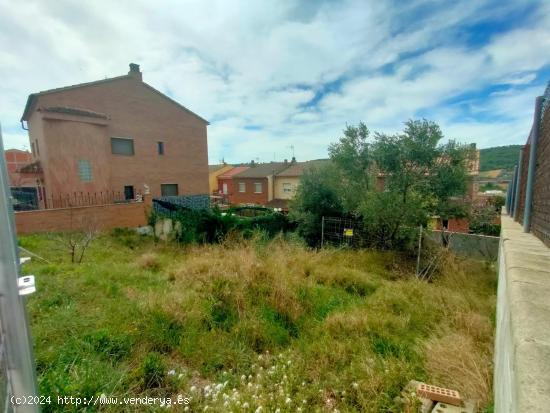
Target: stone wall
x,y
522,344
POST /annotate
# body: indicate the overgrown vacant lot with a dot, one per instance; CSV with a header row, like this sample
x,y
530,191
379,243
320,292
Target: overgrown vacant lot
x,y
255,323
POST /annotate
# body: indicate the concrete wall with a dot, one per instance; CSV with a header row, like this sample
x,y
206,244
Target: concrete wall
x,y
98,217
522,346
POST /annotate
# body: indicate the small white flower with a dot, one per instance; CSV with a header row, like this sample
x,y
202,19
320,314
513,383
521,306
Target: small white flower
x,y
243,377
299,409
259,409
180,376
355,385
186,409
226,404
260,357
193,389
288,362
245,405
288,400
304,401
277,410
172,373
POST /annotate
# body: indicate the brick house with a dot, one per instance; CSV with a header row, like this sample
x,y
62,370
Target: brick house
x,y
213,172
117,134
17,159
256,184
226,187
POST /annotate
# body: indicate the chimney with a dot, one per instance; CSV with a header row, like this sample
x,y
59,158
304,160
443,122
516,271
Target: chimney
x,y
134,71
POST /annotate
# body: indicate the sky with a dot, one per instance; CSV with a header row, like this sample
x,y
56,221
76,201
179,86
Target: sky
x,y
281,77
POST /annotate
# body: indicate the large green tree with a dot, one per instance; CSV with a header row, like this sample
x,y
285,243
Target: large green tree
x,y
318,195
426,178
352,157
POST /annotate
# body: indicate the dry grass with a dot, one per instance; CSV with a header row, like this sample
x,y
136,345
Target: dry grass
x,y
330,329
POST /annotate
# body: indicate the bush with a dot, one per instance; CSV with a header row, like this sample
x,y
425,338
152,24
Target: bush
x,y
212,226
153,371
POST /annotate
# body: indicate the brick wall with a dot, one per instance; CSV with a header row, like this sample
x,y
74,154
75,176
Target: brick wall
x,y
99,217
250,197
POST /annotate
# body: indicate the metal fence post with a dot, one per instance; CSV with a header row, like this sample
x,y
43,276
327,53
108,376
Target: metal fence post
x,y
15,334
512,189
322,232
532,165
517,187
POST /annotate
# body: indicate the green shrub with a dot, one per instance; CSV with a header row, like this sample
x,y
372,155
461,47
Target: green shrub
x,y
153,371
108,345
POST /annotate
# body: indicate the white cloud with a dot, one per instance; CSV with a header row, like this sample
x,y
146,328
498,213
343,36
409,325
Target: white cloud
x,y
251,67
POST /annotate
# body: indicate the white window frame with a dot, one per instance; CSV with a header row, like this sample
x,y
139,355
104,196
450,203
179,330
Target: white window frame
x,y
242,187
256,188
287,187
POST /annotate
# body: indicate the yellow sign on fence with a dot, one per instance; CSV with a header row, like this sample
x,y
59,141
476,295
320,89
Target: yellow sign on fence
x,y
348,232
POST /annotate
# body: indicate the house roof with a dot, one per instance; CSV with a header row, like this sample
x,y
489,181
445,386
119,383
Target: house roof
x,y
298,168
262,170
232,172
214,168
33,97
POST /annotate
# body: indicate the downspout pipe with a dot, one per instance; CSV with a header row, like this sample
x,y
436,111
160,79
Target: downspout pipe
x,y
513,190
532,165
517,187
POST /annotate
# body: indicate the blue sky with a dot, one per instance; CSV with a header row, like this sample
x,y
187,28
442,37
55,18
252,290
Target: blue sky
x,y
274,74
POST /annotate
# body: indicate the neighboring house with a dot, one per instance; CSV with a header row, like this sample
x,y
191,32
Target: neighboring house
x,y
226,187
22,176
256,184
15,160
117,134
213,172
288,180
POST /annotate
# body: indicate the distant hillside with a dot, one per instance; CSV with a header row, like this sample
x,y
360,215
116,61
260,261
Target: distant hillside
x,y
499,157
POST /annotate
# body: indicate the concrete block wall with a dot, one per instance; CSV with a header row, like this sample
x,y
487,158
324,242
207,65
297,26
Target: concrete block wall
x,y
522,344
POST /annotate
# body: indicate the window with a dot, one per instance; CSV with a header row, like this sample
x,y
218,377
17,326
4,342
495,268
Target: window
x,y
169,189
128,192
257,187
287,187
224,186
160,148
85,171
242,187
122,146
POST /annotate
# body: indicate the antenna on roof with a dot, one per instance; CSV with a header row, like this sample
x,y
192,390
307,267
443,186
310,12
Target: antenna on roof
x,y
292,149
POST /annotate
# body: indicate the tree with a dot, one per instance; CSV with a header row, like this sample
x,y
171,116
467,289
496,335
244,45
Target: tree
x,y
421,174
351,155
317,196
